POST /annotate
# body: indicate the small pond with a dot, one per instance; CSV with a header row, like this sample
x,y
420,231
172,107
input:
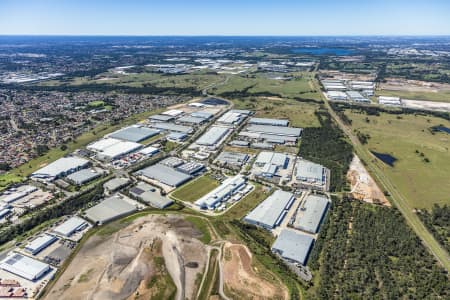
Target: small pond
x,y
442,128
386,158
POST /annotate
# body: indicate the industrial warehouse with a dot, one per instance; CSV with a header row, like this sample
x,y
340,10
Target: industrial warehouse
x,y
273,166
40,243
109,149
310,213
134,134
71,226
165,175
234,117
84,176
266,121
24,266
111,208
149,195
60,168
348,90
293,246
275,130
213,137
172,127
271,212
222,193
190,120
311,175
232,159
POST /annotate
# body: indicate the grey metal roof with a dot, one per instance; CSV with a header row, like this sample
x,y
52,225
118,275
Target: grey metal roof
x,y
70,226
232,158
202,114
172,127
268,212
310,213
109,209
267,121
309,171
163,118
191,120
293,246
155,199
239,143
83,176
116,183
134,134
276,130
262,145
165,175
191,167
241,111
231,117
272,158
228,186
150,195
212,136
61,166
40,243
172,162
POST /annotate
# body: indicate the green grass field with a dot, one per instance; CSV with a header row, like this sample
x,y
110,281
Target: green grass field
x,y
300,114
422,183
195,189
96,103
202,226
196,80
299,86
442,96
246,204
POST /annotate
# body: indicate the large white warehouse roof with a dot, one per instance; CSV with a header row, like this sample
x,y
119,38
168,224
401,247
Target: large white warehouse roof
x,y
293,246
70,226
61,167
270,212
24,266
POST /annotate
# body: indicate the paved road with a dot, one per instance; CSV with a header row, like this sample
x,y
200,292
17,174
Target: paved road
x,y
397,198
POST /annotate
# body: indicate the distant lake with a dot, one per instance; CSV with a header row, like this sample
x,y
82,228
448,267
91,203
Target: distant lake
x,y
441,128
323,51
386,158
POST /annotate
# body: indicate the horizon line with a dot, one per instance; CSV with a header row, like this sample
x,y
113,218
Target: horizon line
x,y
223,35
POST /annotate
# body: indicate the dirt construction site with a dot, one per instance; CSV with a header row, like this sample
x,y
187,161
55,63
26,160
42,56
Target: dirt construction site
x,y
363,187
241,278
150,257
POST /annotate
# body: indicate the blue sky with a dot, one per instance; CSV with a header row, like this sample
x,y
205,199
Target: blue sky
x,y
226,17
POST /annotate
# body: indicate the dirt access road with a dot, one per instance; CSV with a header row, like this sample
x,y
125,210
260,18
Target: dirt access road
x,y
115,265
242,281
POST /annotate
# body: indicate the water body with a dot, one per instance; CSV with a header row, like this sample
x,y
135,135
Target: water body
x,y
323,51
386,158
441,128
214,101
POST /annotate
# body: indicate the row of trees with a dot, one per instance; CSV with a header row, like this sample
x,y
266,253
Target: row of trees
x,y
438,223
376,110
104,88
369,252
70,206
327,146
